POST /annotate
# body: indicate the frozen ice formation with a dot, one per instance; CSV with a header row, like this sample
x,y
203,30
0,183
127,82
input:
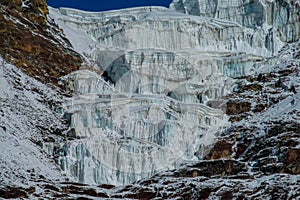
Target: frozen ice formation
x,y
155,27
275,17
147,121
144,108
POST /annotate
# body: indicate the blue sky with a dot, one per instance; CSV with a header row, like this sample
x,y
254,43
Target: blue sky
x,y
101,5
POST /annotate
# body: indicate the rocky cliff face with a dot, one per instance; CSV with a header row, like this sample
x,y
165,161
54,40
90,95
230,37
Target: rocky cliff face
x,y
168,105
34,44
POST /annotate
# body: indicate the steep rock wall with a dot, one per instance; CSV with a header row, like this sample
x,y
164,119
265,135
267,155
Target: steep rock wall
x,y
26,37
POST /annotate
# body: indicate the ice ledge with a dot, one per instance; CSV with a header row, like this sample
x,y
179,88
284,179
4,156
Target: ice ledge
x,y
106,15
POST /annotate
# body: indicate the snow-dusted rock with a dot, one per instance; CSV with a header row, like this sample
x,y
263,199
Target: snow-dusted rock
x,y
25,120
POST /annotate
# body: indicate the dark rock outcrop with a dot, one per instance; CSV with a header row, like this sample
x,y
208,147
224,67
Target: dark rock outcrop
x,y
33,43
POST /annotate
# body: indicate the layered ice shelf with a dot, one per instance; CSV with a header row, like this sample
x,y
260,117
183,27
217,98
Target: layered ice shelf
x,y
141,108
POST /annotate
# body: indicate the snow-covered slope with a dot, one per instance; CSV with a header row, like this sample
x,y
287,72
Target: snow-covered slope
x,y
26,119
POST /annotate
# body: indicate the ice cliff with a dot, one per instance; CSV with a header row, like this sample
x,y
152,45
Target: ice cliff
x,y
140,105
274,17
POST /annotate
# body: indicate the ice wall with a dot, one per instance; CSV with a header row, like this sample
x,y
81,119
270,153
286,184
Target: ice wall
x,y
145,110
279,17
144,28
146,121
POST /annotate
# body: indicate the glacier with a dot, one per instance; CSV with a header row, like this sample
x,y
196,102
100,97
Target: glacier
x,y
139,103
279,18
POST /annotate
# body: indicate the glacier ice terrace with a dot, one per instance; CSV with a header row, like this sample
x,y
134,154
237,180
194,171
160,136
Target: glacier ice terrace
x,y
139,105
